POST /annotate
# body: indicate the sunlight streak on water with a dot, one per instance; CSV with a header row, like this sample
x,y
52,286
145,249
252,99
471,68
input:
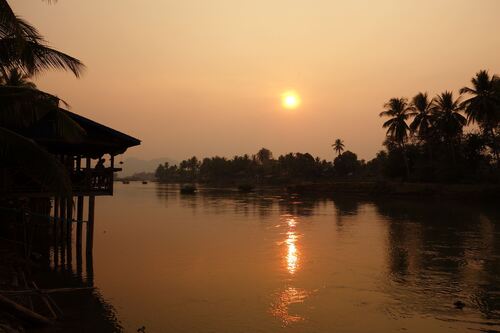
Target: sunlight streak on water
x,y
284,299
292,256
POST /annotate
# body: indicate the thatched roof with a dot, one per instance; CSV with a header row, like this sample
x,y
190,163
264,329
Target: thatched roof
x,y
95,139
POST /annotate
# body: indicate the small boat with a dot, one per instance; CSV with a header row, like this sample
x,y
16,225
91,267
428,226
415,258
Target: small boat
x,y
125,182
144,182
188,189
246,188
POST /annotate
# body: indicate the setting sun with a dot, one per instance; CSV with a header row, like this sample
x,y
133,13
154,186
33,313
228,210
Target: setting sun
x,y
290,100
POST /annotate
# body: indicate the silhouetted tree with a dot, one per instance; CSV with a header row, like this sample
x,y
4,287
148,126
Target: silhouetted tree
x,y
346,164
263,155
483,107
338,146
397,129
449,120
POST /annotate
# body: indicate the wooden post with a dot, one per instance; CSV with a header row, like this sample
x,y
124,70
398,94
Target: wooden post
x,y
90,242
90,224
79,220
56,232
62,219
90,269
88,174
69,221
79,225
112,173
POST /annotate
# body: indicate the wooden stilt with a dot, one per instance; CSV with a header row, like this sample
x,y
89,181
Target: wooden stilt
x,y
62,228
90,269
90,224
90,242
56,232
79,226
69,219
79,220
69,222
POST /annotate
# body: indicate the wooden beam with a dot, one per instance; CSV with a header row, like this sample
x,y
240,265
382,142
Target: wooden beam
x,y
24,312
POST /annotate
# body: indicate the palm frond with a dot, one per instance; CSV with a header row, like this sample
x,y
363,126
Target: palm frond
x,y
13,25
21,107
34,57
36,113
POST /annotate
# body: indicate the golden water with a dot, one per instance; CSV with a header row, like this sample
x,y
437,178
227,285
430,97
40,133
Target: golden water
x,y
221,261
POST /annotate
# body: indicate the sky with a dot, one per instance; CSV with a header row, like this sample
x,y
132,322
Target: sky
x,y
205,77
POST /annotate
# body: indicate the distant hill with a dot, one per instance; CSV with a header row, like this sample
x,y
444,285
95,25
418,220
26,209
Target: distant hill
x,y
134,165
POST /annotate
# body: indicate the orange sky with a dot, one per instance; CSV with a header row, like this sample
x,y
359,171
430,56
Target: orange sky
x,y
205,77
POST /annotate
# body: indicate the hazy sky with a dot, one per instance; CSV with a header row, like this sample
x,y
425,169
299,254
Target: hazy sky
x,y
205,77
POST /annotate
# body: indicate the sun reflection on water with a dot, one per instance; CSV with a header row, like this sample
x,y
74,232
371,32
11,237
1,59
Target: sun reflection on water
x,y
290,295
292,256
281,307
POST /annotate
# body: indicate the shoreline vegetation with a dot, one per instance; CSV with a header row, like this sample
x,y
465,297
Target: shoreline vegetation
x,y
444,145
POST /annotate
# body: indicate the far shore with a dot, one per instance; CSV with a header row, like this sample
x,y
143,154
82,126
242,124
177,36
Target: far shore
x,y
487,192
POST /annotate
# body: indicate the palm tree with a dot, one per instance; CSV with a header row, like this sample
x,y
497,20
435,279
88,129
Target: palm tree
x,y
449,120
483,107
338,146
423,121
397,129
421,109
22,46
23,52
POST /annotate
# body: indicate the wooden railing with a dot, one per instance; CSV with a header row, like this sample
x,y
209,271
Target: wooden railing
x,y
93,181
84,182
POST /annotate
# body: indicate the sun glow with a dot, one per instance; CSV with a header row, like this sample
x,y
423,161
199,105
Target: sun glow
x,y
290,100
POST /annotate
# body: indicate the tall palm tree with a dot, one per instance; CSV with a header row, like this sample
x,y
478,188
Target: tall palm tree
x,y
338,146
483,107
449,120
399,111
23,51
421,110
22,46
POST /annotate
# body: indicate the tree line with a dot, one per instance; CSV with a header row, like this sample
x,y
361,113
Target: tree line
x,y
262,167
439,139
444,138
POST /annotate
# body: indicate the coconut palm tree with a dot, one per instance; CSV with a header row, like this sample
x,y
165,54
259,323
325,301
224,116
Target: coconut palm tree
x,y
399,111
421,110
483,107
22,46
449,120
23,51
338,146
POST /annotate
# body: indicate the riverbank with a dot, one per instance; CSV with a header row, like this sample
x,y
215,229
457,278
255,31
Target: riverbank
x,y
374,189
386,188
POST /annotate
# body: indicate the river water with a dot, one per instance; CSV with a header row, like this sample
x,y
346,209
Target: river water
x,y
222,261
